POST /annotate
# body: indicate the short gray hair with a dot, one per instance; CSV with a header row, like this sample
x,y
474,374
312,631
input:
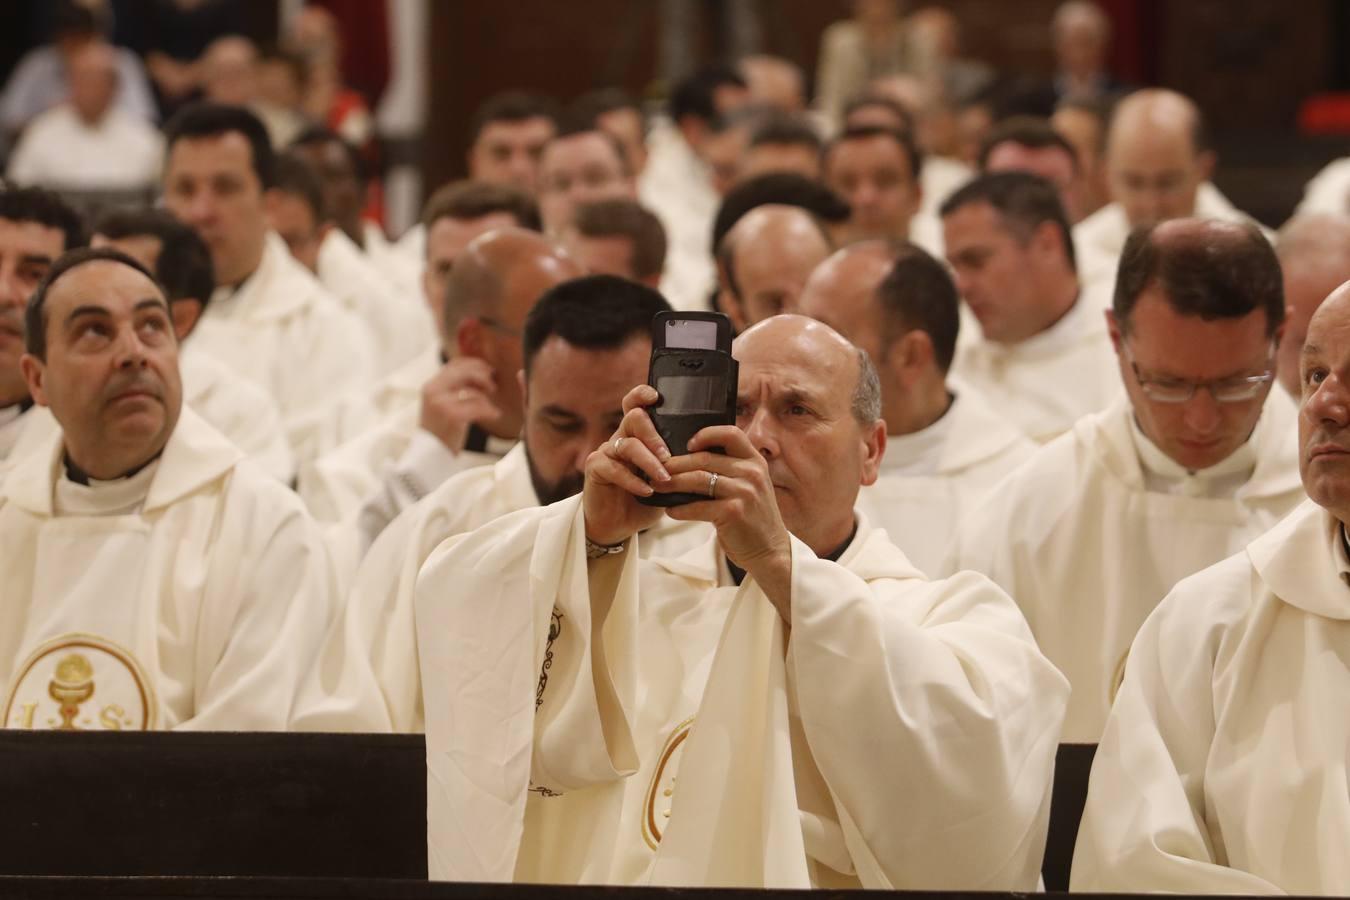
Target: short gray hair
x,y
867,392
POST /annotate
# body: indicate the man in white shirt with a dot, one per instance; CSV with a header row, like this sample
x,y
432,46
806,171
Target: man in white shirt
x,y
1198,459
1314,252
36,227
470,409
1158,165
153,580
945,448
88,143
586,342
765,259
269,319
396,328
749,714
1222,768
1038,350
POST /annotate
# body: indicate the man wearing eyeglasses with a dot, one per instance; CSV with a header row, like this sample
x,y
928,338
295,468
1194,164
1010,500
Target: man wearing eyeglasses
x,y
1198,459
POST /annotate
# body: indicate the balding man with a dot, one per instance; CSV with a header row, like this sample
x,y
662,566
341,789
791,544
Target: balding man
x,y
1222,769
1314,252
672,710
270,320
1158,165
153,580
945,447
765,259
88,142
1037,348
453,217
470,410
585,343
1199,458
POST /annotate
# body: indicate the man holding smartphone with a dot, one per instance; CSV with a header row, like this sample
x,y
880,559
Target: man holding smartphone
x,y
795,676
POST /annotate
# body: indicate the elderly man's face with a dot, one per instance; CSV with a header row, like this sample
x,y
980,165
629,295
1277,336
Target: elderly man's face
x,y
210,184
1168,349
797,380
873,174
111,372
508,152
1154,174
573,403
1324,417
27,251
578,169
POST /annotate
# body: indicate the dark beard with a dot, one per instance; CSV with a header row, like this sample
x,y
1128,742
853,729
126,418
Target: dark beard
x,y
551,492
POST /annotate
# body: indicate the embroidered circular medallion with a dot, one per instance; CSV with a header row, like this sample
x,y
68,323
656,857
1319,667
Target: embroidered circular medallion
x,y
80,682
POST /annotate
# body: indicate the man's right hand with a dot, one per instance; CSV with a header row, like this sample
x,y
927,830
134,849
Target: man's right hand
x,y
456,397
612,481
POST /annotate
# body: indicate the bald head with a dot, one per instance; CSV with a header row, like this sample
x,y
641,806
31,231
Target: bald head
x,y
1157,156
766,258
1314,254
501,274
809,401
842,293
1324,416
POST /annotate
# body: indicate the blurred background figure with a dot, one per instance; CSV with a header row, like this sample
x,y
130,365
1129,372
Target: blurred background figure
x,y
854,51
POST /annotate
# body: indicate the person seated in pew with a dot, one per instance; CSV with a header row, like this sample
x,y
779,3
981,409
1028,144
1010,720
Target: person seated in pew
x,y
585,343
754,712
945,447
36,227
1197,459
234,406
1222,768
153,578
1314,252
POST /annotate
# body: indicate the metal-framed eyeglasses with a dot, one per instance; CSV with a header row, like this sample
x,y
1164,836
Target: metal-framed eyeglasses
x,y
1228,390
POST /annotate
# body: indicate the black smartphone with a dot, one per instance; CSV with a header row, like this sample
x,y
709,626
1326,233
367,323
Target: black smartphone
x,y
692,369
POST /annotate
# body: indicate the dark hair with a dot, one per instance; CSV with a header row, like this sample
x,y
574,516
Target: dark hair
x,y
1022,200
510,106
317,136
475,199
787,188
207,120
35,314
786,129
621,217
589,107
695,94
1031,132
1225,272
892,106
904,139
918,293
295,176
33,204
184,267
596,312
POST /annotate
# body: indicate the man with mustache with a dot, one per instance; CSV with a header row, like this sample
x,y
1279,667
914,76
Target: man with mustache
x,y
1197,459
1222,769
152,579
750,713
586,342
36,226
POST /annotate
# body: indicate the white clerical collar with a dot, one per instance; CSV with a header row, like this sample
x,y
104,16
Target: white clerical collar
x,y
119,497
1164,475
920,452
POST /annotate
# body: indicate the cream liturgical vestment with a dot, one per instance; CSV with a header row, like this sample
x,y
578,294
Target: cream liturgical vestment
x,y
367,676
13,424
191,595
281,330
1092,533
398,325
934,479
1223,767
1329,191
229,403
1047,382
634,721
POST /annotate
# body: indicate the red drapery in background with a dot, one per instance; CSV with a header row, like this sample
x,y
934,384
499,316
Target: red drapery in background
x,y
1134,48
